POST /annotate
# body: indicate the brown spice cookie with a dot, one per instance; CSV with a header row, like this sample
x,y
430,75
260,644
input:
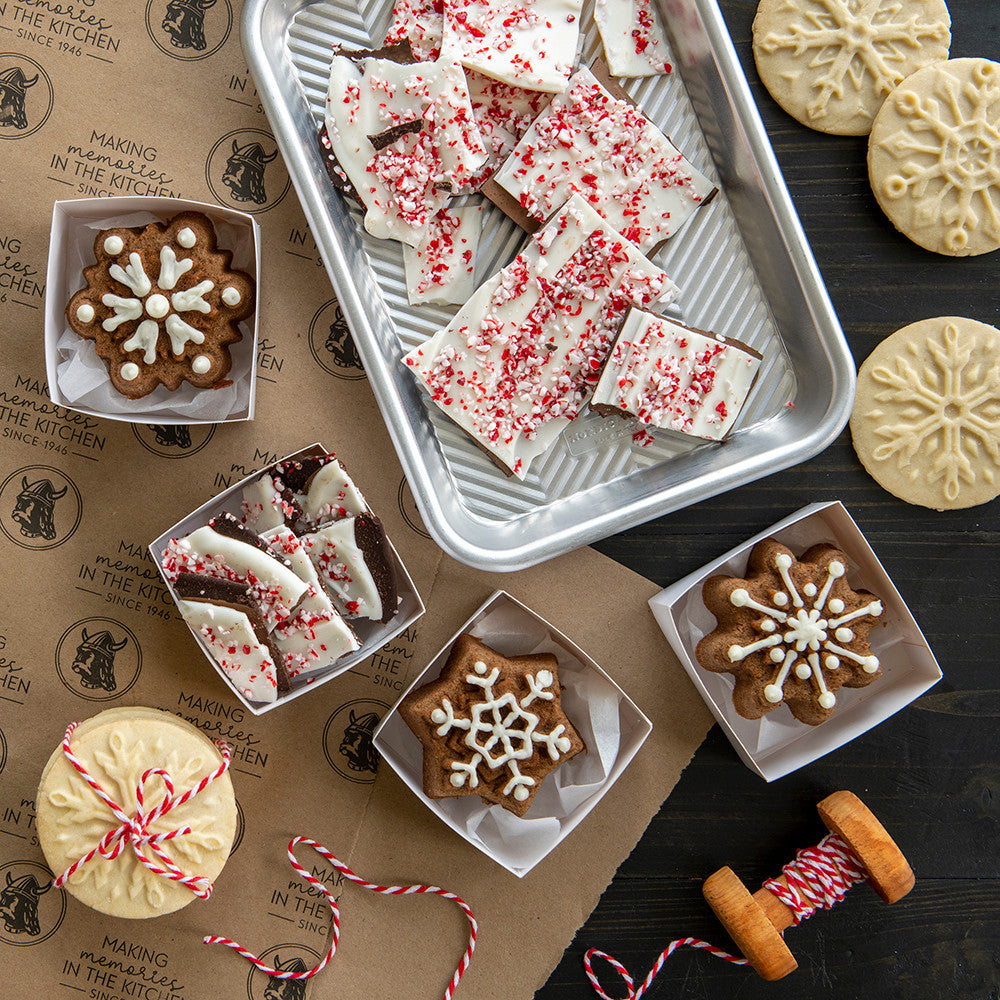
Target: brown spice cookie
x,y
162,305
491,725
793,631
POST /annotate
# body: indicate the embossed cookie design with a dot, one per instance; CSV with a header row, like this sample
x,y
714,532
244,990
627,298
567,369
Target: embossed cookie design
x,y
117,748
793,632
491,725
934,157
162,305
926,419
831,63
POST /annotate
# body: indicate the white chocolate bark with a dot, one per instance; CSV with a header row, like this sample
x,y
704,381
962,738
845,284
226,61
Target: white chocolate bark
x,y
514,366
341,566
332,495
674,378
316,634
404,184
443,268
593,144
503,112
263,507
527,43
235,647
420,21
635,43
274,586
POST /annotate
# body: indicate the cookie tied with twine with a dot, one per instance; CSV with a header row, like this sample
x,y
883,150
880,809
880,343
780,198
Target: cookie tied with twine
x,y
136,810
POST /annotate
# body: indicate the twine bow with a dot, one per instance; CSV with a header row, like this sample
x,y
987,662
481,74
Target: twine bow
x,y
134,831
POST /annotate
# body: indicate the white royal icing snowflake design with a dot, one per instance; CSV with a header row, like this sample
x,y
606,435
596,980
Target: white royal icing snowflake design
x,y
500,731
806,640
156,303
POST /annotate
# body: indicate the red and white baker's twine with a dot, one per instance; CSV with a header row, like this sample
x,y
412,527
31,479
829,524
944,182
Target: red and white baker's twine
x,y
386,890
817,878
133,831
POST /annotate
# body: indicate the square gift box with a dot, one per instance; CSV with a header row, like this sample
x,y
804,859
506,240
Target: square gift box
x,y
778,743
372,635
78,378
610,723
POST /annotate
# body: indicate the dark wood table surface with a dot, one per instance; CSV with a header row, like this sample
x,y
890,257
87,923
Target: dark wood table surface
x,y
932,772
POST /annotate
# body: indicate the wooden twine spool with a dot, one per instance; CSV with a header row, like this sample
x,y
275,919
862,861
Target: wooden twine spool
x,y
756,922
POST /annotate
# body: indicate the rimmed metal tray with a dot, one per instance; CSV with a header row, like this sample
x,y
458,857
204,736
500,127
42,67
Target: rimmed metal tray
x,y
743,266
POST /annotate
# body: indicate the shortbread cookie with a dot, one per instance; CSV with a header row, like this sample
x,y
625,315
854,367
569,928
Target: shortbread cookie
x,y
934,157
792,632
491,725
514,366
590,142
162,305
117,747
831,63
671,377
926,418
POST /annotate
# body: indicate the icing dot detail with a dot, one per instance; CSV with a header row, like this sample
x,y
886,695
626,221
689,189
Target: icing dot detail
x,y
479,667
187,238
231,296
773,693
831,662
844,635
157,306
827,700
836,606
438,716
803,671
85,314
810,590
129,371
201,364
780,599
114,245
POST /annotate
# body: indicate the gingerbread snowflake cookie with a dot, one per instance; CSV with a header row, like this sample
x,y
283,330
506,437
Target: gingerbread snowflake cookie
x,y
491,725
162,305
792,632
831,63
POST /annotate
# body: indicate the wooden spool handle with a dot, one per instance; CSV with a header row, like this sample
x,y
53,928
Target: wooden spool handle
x,y
756,922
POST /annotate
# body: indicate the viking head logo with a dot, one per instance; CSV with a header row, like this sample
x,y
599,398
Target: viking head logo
x,y
340,344
13,87
184,22
286,989
35,506
19,904
245,172
357,745
95,660
172,435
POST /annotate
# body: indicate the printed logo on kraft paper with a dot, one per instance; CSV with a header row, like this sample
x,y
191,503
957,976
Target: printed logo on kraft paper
x,y
189,30
332,345
30,910
283,958
245,171
98,659
173,440
3,751
408,508
26,96
241,826
347,739
40,507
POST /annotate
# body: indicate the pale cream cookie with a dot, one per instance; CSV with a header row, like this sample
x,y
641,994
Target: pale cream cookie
x,y
831,63
934,157
117,747
926,420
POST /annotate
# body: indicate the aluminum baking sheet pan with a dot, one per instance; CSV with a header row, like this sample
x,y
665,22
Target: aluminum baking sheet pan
x,y
742,263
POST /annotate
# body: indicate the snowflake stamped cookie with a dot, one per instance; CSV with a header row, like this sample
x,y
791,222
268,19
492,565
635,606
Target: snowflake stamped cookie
x,y
162,305
831,63
793,632
491,726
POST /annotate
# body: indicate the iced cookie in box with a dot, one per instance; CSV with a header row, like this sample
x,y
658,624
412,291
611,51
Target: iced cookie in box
x,y
152,310
287,579
512,734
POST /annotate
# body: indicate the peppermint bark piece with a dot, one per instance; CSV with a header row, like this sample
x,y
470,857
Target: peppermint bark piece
x,y
526,43
672,377
491,725
635,43
402,177
443,268
354,562
590,142
316,635
516,363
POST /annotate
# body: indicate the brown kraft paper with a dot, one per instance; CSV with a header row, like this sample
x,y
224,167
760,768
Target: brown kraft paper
x,y
112,102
